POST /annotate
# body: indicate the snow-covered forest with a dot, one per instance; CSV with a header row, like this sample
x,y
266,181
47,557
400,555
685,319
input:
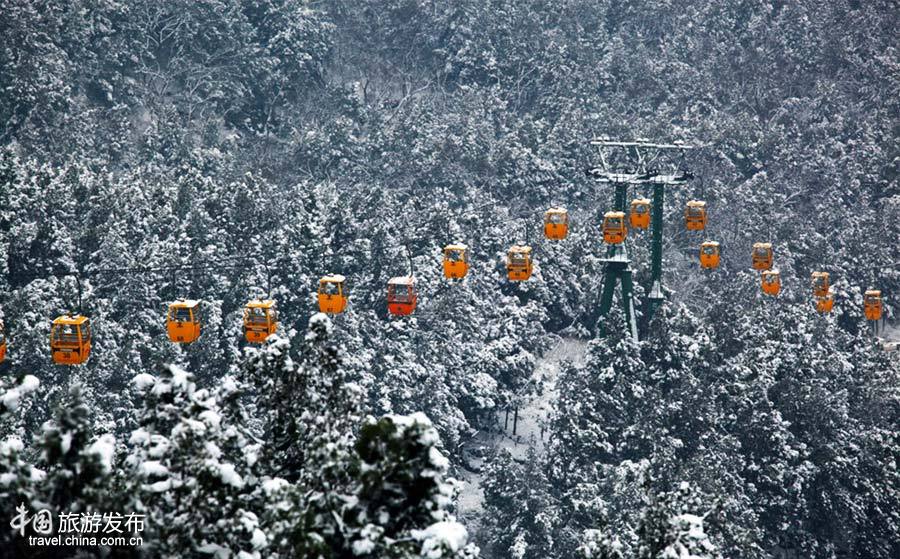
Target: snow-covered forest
x,y
227,150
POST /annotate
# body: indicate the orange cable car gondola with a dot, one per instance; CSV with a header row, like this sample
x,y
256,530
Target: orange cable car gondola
x,y
640,213
401,295
332,296
771,282
873,305
260,320
70,340
518,263
183,321
763,256
556,223
2,344
709,255
695,215
456,261
820,284
825,303
614,231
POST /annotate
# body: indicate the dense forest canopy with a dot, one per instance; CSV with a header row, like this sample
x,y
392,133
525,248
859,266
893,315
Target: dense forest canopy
x,y
256,145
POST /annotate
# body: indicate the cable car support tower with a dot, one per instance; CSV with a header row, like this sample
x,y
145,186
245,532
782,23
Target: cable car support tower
x,y
624,163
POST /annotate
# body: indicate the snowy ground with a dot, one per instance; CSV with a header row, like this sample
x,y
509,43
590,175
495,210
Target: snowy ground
x,y
529,429
891,337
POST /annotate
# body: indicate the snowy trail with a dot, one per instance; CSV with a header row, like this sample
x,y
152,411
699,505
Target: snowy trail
x,y
533,415
891,337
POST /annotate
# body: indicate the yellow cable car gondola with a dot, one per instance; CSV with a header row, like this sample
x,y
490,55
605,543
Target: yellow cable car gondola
x,y
873,305
402,296
763,256
556,223
260,320
695,215
183,321
2,344
614,231
70,340
456,261
771,282
332,297
518,263
709,255
825,303
820,284
640,213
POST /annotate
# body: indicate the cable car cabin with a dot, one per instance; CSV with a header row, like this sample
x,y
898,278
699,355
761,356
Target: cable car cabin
x,y
183,321
2,344
640,213
763,256
70,340
709,255
456,261
518,263
825,304
873,305
614,231
771,282
556,223
820,284
332,298
695,215
260,320
401,295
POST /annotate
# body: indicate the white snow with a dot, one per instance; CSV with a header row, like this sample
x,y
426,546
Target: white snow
x,y
211,418
690,537
438,460
259,539
143,380
533,414
448,535
11,445
105,449
179,376
363,547
11,399
139,436
274,484
215,550
159,446
159,486
29,384
153,468
229,385
65,442
229,476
